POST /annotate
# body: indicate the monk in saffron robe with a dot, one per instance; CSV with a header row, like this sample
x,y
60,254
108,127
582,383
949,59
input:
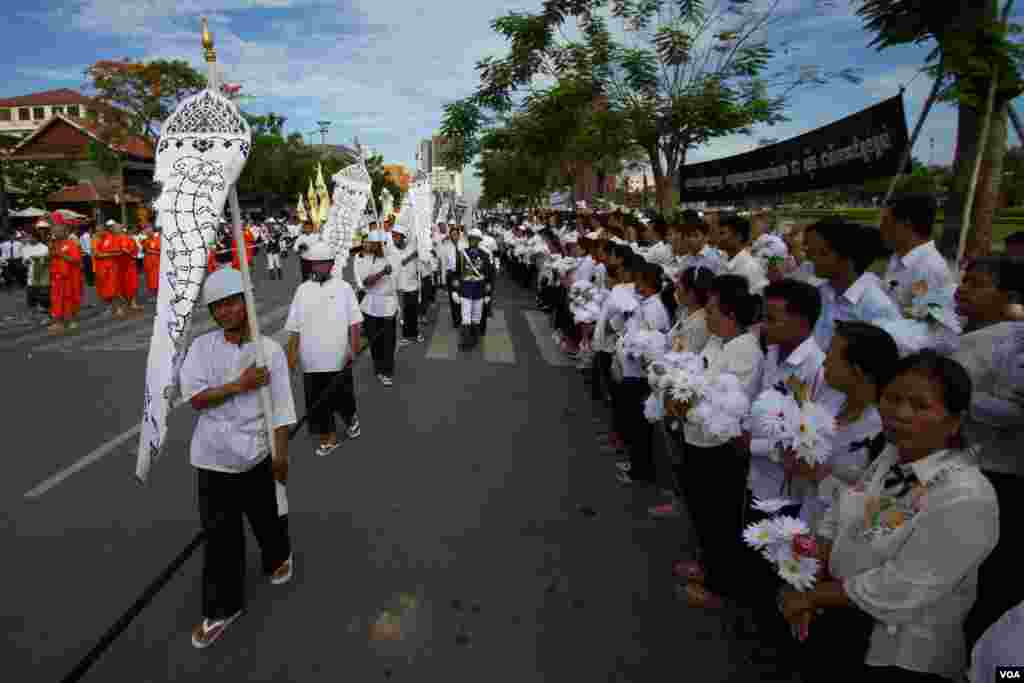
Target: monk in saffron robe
x,y
151,260
65,280
128,271
106,254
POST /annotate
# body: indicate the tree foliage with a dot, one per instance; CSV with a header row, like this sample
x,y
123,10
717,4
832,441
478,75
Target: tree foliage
x,y
686,74
31,182
147,92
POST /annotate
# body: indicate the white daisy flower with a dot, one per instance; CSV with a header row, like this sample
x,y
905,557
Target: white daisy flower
x,y
761,535
799,572
771,505
791,527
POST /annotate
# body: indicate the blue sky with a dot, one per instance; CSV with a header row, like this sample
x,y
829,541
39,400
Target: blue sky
x,y
382,71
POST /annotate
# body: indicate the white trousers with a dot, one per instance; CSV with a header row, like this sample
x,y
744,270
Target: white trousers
x,y
273,261
472,311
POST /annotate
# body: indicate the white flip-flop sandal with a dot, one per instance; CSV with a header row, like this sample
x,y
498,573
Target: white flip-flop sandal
x,y
211,630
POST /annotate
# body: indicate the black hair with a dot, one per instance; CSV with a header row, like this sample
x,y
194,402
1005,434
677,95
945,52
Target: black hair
x,y
801,298
916,210
860,244
735,299
1015,238
739,226
698,279
621,251
1007,273
947,373
691,217
870,349
647,273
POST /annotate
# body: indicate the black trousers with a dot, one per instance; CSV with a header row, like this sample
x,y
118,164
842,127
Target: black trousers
x,y
341,399
837,646
456,311
381,333
223,500
87,269
38,297
410,315
429,294
715,488
601,375
637,431
305,268
999,587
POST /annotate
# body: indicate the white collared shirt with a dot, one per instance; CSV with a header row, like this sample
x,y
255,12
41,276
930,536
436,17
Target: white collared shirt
x,y
923,263
914,567
585,269
322,315
1001,645
232,437
749,267
85,242
863,301
693,330
805,364
740,356
408,275
381,300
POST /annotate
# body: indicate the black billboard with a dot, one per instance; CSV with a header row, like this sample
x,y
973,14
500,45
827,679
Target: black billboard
x,y
860,147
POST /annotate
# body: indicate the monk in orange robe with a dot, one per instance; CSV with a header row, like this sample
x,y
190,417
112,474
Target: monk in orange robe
x,y
128,271
65,280
106,254
218,254
151,260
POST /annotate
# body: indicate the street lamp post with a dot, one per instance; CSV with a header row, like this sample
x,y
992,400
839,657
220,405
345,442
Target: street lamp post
x,y
324,126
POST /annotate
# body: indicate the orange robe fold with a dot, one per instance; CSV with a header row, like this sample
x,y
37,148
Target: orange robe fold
x,y
105,251
65,280
151,262
128,271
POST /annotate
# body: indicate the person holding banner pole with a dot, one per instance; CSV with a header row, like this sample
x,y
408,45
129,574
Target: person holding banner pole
x,y
375,273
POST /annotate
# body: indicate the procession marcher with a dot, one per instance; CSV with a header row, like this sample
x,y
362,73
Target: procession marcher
x,y
449,253
375,273
128,272
474,280
273,245
231,453
325,323
732,235
408,285
304,241
65,279
151,260
36,257
106,254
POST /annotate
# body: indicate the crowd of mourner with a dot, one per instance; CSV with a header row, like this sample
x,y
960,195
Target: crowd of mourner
x,y
843,419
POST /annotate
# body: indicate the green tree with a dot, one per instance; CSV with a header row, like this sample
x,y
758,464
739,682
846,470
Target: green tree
x,y
974,46
146,92
686,74
35,181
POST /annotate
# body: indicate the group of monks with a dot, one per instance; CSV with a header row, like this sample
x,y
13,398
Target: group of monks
x,y
114,258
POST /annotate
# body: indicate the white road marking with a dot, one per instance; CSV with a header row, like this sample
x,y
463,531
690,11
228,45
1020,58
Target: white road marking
x,y
497,343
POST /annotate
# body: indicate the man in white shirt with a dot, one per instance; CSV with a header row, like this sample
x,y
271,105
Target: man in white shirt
x,y
448,252
906,228
375,273
408,285
732,235
235,465
36,257
304,242
324,322
85,244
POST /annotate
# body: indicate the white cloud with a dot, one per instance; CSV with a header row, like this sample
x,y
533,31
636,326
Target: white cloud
x,y
57,75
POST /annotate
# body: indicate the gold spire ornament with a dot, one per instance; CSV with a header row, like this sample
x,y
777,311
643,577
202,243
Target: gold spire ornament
x,y
300,209
322,195
314,209
209,52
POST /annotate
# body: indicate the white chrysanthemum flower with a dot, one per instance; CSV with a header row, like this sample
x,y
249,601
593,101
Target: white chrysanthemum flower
x,y
761,535
791,527
817,427
653,408
799,572
771,505
774,415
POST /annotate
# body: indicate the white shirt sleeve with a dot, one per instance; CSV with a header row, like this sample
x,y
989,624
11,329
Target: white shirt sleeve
x,y
355,315
280,386
192,375
953,536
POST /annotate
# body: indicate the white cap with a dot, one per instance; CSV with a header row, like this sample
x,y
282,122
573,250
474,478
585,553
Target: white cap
x,y
221,284
318,251
375,236
399,230
475,232
110,223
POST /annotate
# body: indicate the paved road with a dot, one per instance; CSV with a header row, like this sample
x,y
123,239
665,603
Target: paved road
x,y
463,491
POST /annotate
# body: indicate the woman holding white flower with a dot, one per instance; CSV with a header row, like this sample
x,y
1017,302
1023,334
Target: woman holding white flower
x,y
908,540
715,483
690,333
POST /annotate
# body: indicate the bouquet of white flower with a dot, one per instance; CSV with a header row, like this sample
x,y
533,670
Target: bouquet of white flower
x,y
793,423
931,322
788,544
770,249
721,410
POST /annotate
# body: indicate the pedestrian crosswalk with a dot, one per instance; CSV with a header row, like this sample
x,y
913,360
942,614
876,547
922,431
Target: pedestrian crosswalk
x,y
495,347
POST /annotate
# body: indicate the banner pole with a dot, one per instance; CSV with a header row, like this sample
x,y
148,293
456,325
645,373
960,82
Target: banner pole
x,y
928,104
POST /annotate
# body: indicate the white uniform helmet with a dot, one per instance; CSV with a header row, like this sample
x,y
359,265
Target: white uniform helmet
x,y
318,251
222,284
475,232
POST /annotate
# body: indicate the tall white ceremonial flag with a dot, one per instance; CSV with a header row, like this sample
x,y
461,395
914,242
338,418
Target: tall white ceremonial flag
x,y
202,150
351,193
